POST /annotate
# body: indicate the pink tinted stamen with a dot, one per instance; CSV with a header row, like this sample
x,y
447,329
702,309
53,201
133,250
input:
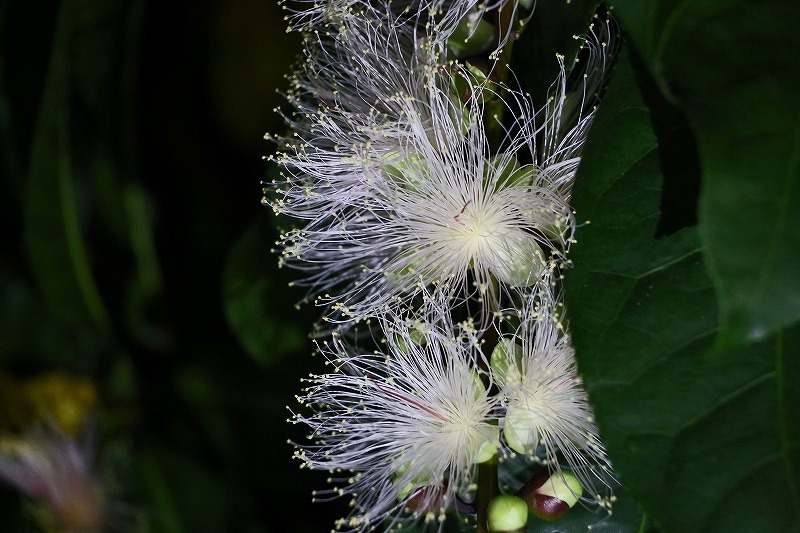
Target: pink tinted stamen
x,y
412,402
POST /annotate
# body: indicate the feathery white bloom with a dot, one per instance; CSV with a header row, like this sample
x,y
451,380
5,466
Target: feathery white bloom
x,y
410,424
548,416
390,168
358,54
437,17
419,201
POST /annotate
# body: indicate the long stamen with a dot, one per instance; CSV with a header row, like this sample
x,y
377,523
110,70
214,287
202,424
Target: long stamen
x,y
412,402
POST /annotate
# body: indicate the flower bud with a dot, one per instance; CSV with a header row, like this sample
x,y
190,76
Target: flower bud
x,y
520,262
507,514
472,36
506,171
413,335
549,496
407,483
505,361
521,429
405,169
483,450
487,449
428,499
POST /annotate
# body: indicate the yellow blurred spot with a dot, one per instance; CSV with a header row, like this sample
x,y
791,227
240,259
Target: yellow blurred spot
x,y
52,398
64,398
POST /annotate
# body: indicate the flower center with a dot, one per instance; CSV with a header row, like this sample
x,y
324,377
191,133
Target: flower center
x,y
478,230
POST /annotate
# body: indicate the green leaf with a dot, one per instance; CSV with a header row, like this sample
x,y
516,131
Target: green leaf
x,y
704,441
53,232
739,92
249,295
57,197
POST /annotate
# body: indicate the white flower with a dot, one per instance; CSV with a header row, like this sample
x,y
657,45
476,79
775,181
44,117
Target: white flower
x,y
410,424
420,201
548,416
394,181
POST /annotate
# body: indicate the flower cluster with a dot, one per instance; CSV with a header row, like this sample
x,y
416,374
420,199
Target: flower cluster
x,y
432,209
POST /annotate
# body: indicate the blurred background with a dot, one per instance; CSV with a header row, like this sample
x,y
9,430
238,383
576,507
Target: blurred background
x,y
144,324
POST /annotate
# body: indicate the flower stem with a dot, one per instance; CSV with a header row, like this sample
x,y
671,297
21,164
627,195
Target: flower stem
x,y
487,490
488,486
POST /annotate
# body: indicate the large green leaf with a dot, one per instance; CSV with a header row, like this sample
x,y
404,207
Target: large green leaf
x,y
732,67
705,441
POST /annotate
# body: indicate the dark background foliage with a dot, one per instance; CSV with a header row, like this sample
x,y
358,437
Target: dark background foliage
x,y
131,163
136,254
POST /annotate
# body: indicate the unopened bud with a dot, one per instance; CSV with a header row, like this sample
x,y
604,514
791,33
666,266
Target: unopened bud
x,y
487,449
413,335
549,496
406,170
506,171
472,36
521,429
505,361
428,499
507,514
409,483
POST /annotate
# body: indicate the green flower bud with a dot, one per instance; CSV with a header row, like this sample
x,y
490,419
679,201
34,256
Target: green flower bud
x,y
472,36
487,449
409,484
505,361
521,263
520,428
416,336
507,172
405,169
483,450
507,514
564,486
